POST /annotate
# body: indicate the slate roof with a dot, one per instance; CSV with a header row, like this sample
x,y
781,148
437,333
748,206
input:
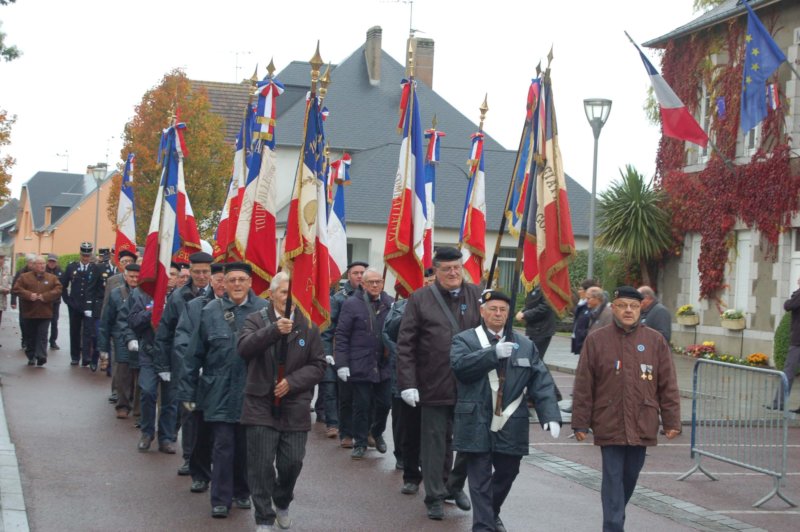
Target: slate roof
x,y
62,191
8,212
726,10
227,100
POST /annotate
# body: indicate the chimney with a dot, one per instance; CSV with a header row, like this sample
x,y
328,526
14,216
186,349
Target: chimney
x,y
372,52
423,59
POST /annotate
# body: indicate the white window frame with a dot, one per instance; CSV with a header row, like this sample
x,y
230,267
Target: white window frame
x,y
744,265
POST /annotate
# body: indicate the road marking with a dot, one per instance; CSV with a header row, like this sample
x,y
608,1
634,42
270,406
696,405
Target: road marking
x,y
730,474
760,512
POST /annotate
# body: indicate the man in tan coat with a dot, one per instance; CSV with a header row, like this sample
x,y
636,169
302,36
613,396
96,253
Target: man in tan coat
x,y
37,290
625,379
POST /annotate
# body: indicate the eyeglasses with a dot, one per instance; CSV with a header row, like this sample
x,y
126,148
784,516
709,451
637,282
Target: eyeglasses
x,y
631,306
237,280
448,269
374,283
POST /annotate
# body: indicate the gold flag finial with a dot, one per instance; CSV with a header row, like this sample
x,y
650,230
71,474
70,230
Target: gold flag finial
x,y
484,108
324,82
410,67
316,63
434,122
271,68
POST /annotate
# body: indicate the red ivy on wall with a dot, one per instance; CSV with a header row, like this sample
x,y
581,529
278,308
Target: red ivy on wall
x,y
763,193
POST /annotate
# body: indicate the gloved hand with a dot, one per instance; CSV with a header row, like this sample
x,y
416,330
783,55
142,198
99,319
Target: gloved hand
x,y
410,396
343,374
165,376
190,406
87,313
133,345
504,349
553,427
329,360
103,355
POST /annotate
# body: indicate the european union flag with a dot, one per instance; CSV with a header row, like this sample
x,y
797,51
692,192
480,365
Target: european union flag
x,y
762,58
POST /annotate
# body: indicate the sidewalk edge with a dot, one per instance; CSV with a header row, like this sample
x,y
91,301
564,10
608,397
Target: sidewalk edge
x,y
13,514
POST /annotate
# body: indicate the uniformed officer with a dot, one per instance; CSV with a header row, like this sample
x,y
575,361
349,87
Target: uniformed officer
x,y
99,272
75,281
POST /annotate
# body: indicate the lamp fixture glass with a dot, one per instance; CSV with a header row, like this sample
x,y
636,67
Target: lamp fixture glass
x,y
597,110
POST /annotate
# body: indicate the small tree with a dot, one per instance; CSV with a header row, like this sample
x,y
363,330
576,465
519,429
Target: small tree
x,y
6,161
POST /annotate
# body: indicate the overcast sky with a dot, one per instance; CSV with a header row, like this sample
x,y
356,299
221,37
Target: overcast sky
x,y
86,64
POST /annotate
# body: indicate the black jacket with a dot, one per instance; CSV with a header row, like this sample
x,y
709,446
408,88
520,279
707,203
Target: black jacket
x,y
540,319
793,305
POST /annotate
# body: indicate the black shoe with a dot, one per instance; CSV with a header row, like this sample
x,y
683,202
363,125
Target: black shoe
x,y
435,510
399,465
41,361
144,443
795,411
243,503
380,444
773,407
54,346
73,362
183,470
199,486
84,363
498,524
113,397
358,453
409,488
93,366
220,512
461,500
137,425
31,362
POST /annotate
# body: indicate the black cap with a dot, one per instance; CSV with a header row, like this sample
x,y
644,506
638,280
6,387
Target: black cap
x,y
494,295
447,254
103,251
86,248
238,266
217,267
132,267
183,265
358,263
176,265
52,256
627,292
201,257
429,272
127,253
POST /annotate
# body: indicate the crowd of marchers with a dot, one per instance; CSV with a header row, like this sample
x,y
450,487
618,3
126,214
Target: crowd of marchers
x,y
235,374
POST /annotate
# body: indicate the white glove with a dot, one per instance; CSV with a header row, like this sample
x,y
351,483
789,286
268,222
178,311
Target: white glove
x,y
504,349
554,428
343,373
188,405
164,376
103,355
329,360
87,313
410,396
133,345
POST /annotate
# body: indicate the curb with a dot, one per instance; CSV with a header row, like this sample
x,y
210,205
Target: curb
x,y
13,515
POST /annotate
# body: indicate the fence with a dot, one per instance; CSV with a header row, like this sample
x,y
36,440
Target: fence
x,y
730,422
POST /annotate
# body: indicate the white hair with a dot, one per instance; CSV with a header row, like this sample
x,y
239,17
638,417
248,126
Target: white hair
x,y
277,279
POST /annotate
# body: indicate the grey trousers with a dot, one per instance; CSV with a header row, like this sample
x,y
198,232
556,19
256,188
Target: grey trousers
x,y
267,450
440,474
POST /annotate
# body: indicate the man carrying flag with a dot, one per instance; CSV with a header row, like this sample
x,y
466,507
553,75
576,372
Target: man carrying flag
x,y
126,213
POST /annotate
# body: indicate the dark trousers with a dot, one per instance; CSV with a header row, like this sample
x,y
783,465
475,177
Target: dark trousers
x,y
408,439
81,330
21,326
790,367
487,489
149,384
123,383
54,323
200,440
34,335
541,346
441,475
330,397
345,409
229,475
365,395
268,450
621,467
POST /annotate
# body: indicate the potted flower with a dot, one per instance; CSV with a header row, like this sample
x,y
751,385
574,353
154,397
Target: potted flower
x,y
760,360
732,319
687,316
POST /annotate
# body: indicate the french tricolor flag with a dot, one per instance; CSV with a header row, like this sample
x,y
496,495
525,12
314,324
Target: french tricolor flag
x,y
676,120
473,225
229,218
337,228
126,213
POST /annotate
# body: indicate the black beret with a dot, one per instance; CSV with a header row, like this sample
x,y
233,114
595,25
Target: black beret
x,y
238,266
132,267
627,292
175,265
357,263
201,257
447,254
103,251
86,248
428,272
127,253
494,295
183,266
217,267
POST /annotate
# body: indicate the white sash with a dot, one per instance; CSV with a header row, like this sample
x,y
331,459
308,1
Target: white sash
x,y
494,383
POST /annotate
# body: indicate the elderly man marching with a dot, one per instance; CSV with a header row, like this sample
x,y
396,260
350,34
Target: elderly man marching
x,y
37,290
285,361
219,390
494,375
625,379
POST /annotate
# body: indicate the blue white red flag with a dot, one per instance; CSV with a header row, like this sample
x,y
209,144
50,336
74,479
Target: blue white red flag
x,y
126,213
773,98
256,239
431,160
404,250
473,223
521,184
337,227
676,120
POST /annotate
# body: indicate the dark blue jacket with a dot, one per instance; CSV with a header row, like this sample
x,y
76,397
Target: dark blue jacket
x,y
359,337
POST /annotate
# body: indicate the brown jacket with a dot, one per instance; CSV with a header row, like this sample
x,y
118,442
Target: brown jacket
x,y
45,284
620,406
423,343
259,343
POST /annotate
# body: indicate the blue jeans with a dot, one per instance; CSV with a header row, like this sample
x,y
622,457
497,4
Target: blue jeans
x,y
149,386
330,396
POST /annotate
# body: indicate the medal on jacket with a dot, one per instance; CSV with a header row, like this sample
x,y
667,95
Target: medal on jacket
x,y
617,366
649,372
644,371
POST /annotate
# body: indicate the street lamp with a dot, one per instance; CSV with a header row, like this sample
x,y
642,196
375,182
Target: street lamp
x,y
98,172
597,110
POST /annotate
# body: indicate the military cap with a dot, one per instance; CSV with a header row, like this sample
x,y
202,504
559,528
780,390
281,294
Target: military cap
x,y
494,295
429,272
52,256
103,251
201,257
447,254
176,265
86,248
217,267
357,263
627,292
238,266
127,253
133,267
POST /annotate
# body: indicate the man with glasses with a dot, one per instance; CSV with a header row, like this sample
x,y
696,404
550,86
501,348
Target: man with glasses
x,y
433,315
600,313
625,380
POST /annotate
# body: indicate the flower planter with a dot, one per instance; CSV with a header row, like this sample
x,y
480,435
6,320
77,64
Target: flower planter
x,y
689,320
733,325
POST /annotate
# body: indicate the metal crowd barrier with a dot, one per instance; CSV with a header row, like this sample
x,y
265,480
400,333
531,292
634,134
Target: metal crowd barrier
x,y
730,422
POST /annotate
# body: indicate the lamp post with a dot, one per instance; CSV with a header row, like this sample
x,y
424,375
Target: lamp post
x,y
597,110
98,172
